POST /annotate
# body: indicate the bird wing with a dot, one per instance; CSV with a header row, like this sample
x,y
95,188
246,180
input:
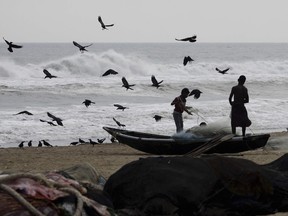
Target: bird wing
x,y
110,25
16,46
77,45
118,105
53,117
117,122
217,69
224,71
124,81
185,61
106,73
100,20
154,80
194,37
87,45
46,72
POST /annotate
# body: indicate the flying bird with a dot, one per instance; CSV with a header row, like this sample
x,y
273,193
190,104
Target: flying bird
x,y
103,25
48,74
155,82
88,102
157,117
126,84
110,72
46,143
101,140
49,122
196,93
11,45
222,71
190,39
54,118
24,112
21,145
81,48
120,107
118,123
186,60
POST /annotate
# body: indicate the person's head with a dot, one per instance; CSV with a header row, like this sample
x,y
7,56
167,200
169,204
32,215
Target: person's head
x,y
242,79
185,92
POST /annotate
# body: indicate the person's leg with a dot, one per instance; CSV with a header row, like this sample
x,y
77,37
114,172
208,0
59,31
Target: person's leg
x,y
178,121
243,131
233,129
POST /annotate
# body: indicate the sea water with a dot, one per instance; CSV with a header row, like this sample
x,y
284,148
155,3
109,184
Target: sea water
x,y
79,77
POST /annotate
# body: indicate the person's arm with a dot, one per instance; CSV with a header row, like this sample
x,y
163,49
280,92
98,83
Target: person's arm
x,y
246,98
186,110
230,97
174,101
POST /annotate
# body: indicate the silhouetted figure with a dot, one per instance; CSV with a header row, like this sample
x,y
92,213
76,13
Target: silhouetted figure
x,y
30,143
222,71
157,117
186,60
48,74
196,93
93,142
239,115
39,144
101,140
45,143
73,143
24,112
21,145
118,123
179,107
81,141
11,45
189,39
54,118
126,84
48,122
102,23
120,107
113,139
81,48
87,102
110,72
155,82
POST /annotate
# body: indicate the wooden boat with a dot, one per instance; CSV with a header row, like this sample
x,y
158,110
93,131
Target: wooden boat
x,y
167,145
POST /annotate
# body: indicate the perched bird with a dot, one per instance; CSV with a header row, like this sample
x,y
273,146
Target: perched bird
x,y
21,145
73,143
190,39
88,102
126,84
93,142
110,72
186,60
113,139
101,140
120,107
118,123
54,118
48,74
155,82
46,143
222,71
49,122
24,112
157,117
81,141
103,25
81,48
30,143
39,144
11,45
196,93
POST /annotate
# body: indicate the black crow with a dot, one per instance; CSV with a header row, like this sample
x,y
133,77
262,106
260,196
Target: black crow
x,y
118,123
81,141
155,82
73,143
113,139
24,112
21,145
103,25
49,122
11,45
93,142
190,39
39,144
88,102
196,93
54,118
46,143
120,107
186,60
110,72
222,71
48,74
126,84
157,117
81,48
30,143
101,140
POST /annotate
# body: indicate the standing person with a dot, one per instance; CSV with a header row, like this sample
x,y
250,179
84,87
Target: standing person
x,y
180,106
239,115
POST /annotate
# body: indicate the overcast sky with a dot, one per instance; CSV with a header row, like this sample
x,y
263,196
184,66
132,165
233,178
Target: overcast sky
x,y
144,20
